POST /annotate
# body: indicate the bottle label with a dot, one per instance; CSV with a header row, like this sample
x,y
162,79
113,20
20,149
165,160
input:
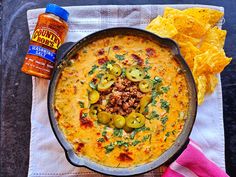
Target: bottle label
x,y
42,52
47,37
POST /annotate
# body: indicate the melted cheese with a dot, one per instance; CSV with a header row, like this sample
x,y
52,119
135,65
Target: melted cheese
x,y
73,86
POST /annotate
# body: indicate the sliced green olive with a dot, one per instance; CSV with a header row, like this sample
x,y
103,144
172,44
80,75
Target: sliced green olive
x,y
94,96
106,82
135,120
115,70
145,86
93,110
144,101
135,73
119,121
104,117
127,129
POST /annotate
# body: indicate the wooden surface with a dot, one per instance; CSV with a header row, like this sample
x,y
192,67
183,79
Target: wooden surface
x,y
16,87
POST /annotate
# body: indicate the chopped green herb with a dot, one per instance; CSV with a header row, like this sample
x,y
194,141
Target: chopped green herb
x,y
173,132
109,147
135,131
157,79
147,68
154,115
123,72
118,132
122,143
94,67
146,110
100,140
135,142
84,115
164,120
146,137
166,135
99,76
165,89
104,133
104,66
147,76
146,61
92,85
81,104
165,105
120,57
154,95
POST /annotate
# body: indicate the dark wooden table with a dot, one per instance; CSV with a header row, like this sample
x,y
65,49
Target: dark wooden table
x,y
16,87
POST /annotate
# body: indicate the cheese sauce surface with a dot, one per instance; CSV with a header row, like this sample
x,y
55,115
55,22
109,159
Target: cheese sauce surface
x,y
122,101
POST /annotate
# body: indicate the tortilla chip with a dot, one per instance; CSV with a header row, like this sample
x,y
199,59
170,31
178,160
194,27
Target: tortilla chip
x,y
201,87
204,15
189,51
212,81
216,37
186,24
211,61
162,27
183,38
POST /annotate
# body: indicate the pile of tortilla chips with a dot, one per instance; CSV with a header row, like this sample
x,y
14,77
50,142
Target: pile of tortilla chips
x,y
201,42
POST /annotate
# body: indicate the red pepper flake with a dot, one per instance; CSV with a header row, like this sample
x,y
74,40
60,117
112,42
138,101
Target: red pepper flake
x,y
150,52
124,157
101,52
84,121
137,59
99,144
101,61
105,137
80,146
98,133
116,47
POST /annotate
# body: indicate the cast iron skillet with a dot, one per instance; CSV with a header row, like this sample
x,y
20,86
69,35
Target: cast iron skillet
x,y
69,49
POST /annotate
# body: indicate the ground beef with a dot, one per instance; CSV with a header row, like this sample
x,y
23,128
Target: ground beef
x,y
124,96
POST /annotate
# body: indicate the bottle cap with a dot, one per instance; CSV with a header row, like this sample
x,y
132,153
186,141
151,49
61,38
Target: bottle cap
x,y
58,11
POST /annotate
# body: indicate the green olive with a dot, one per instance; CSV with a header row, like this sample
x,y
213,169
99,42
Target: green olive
x,y
104,117
135,120
145,86
135,73
115,70
144,101
119,121
106,82
127,129
94,96
93,110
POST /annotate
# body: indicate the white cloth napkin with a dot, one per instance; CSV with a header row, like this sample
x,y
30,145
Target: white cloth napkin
x,y
47,157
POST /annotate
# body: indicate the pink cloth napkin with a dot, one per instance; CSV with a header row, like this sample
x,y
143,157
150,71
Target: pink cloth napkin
x,y
193,163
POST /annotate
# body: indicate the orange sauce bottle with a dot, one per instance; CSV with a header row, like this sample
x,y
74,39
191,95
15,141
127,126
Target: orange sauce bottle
x,y
49,33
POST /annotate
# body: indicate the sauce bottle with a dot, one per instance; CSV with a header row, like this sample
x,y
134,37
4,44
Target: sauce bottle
x,y
49,33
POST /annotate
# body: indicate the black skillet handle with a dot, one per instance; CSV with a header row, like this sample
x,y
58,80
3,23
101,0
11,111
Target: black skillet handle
x,y
63,49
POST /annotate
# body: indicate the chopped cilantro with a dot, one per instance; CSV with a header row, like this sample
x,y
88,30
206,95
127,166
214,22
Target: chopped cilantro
x,y
94,67
118,132
104,66
147,68
147,76
146,137
157,80
84,115
154,115
104,133
166,135
92,85
100,140
109,148
146,61
165,89
122,143
154,95
173,132
145,110
135,131
81,104
120,57
99,75
135,142
123,72
165,105
164,120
